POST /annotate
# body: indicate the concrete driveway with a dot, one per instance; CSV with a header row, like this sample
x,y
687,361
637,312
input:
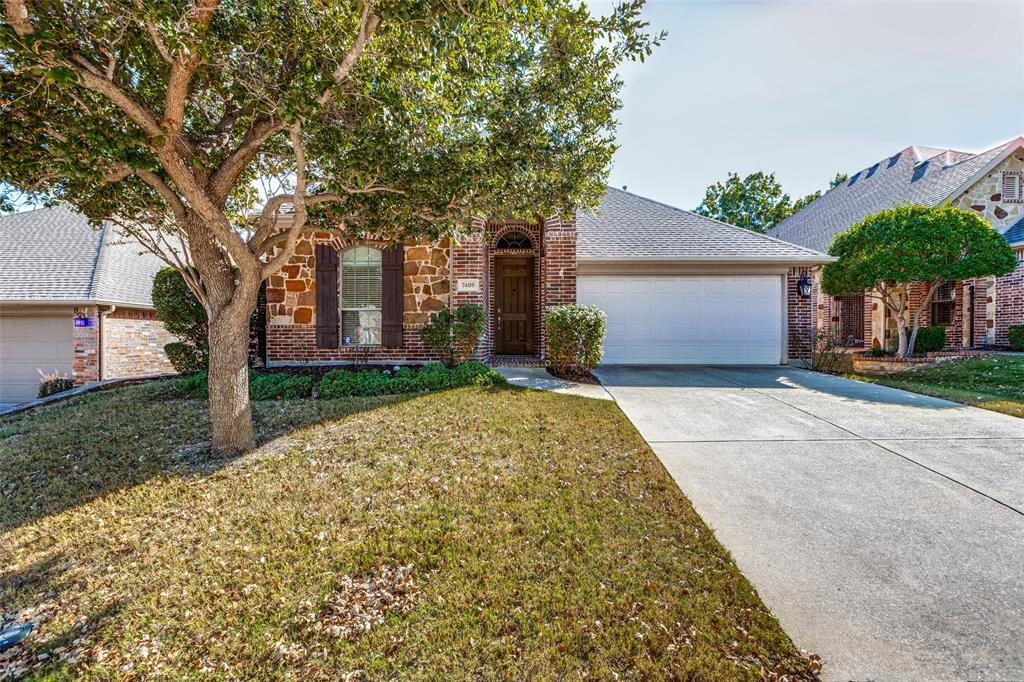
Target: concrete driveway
x,y
885,529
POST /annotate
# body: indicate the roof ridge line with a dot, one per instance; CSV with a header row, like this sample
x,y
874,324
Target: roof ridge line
x,y
93,284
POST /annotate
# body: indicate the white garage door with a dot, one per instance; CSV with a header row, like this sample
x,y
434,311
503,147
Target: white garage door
x,y
688,319
29,343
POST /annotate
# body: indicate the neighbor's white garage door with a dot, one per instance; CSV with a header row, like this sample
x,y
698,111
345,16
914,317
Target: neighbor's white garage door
x,y
29,343
688,319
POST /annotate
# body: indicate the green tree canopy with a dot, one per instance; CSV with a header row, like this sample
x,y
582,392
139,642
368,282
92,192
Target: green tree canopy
x,y
891,249
755,202
193,124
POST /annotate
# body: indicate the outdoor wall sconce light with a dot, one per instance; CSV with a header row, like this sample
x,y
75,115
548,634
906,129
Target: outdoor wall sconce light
x,y
803,287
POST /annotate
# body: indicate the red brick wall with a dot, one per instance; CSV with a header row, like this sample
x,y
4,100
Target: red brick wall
x,y
559,268
85,344
133,344
297,343
1009,302
468,262
801,314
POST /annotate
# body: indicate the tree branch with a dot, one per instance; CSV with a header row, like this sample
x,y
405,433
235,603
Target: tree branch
x,y
224,178
367,25
17,17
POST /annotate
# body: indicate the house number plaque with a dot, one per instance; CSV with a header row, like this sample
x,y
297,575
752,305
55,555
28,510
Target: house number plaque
x,y
467,285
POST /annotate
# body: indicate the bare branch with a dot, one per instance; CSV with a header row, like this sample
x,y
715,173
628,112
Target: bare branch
x,y
367,25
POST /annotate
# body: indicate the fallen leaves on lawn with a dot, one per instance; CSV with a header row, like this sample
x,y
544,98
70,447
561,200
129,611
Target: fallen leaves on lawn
x,y
32,653
362,603
780,674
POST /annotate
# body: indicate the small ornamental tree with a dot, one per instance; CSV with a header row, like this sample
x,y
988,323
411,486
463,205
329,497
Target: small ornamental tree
x,y
892,249
217,131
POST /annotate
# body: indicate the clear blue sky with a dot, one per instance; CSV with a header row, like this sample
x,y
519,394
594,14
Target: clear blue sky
x,y
806,89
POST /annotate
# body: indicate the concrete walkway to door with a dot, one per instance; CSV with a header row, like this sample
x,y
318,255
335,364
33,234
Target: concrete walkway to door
x,y
885,529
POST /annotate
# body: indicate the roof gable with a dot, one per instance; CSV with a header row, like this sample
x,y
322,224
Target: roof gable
x,y
918,175
53,254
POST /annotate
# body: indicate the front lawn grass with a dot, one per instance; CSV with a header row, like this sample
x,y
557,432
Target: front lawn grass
x,y
507,534
994,383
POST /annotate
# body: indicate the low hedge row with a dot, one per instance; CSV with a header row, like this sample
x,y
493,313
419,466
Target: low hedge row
x,y
1016,336
340,383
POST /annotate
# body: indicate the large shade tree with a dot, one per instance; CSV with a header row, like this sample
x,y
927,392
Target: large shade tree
x,y
215,131
755,202
930,245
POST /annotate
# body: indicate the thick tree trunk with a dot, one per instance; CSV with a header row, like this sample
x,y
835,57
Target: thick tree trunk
x,y
230,413
901,329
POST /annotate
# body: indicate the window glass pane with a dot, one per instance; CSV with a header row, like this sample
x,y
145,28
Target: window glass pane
x,y
360,279
360,327
360,283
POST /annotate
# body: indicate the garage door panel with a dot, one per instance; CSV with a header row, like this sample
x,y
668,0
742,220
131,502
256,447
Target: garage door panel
x,y
688,319
30,344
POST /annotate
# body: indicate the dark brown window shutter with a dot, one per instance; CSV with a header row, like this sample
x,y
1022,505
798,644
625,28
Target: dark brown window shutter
x,y
392,271
327,311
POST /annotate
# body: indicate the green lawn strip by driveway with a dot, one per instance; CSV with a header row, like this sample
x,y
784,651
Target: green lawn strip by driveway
x,y
467,534
993,383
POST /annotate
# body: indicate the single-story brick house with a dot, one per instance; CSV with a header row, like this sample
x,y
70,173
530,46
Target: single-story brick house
x,y
73,300
677,288
976,313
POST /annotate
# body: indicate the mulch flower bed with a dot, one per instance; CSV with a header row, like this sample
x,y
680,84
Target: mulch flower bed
x,y
578,377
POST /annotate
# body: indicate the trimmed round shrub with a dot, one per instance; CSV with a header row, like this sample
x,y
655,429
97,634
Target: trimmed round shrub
x,y
455,333
185,357
179,309
53,383
930,339
575,337
435,377
399,385
476,373
280,386
340,383
1016,334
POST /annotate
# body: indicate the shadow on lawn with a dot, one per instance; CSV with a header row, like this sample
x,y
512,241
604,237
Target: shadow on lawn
x,y
32,595
57,457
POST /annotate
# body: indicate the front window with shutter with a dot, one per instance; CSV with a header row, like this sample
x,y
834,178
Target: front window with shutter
x,y
1013,186
360,284
944,304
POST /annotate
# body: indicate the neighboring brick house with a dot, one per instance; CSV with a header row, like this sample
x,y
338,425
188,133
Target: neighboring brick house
x,y
705,291
74,300
976,313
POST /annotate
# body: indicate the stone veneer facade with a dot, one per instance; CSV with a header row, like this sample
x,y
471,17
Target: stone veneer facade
x,y
998,301
122,343
431,273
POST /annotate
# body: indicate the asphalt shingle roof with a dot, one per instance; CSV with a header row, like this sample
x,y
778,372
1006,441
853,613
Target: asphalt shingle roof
x,y
629,227
53,254
919,175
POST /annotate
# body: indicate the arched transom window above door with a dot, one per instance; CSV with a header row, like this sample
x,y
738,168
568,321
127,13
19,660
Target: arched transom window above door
x,y
514,239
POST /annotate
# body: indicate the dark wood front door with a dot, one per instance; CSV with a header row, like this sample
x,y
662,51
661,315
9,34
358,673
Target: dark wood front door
x,y
513,298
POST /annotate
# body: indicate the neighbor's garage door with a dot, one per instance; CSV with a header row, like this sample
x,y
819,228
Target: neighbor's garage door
x,y
29,343
688,319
